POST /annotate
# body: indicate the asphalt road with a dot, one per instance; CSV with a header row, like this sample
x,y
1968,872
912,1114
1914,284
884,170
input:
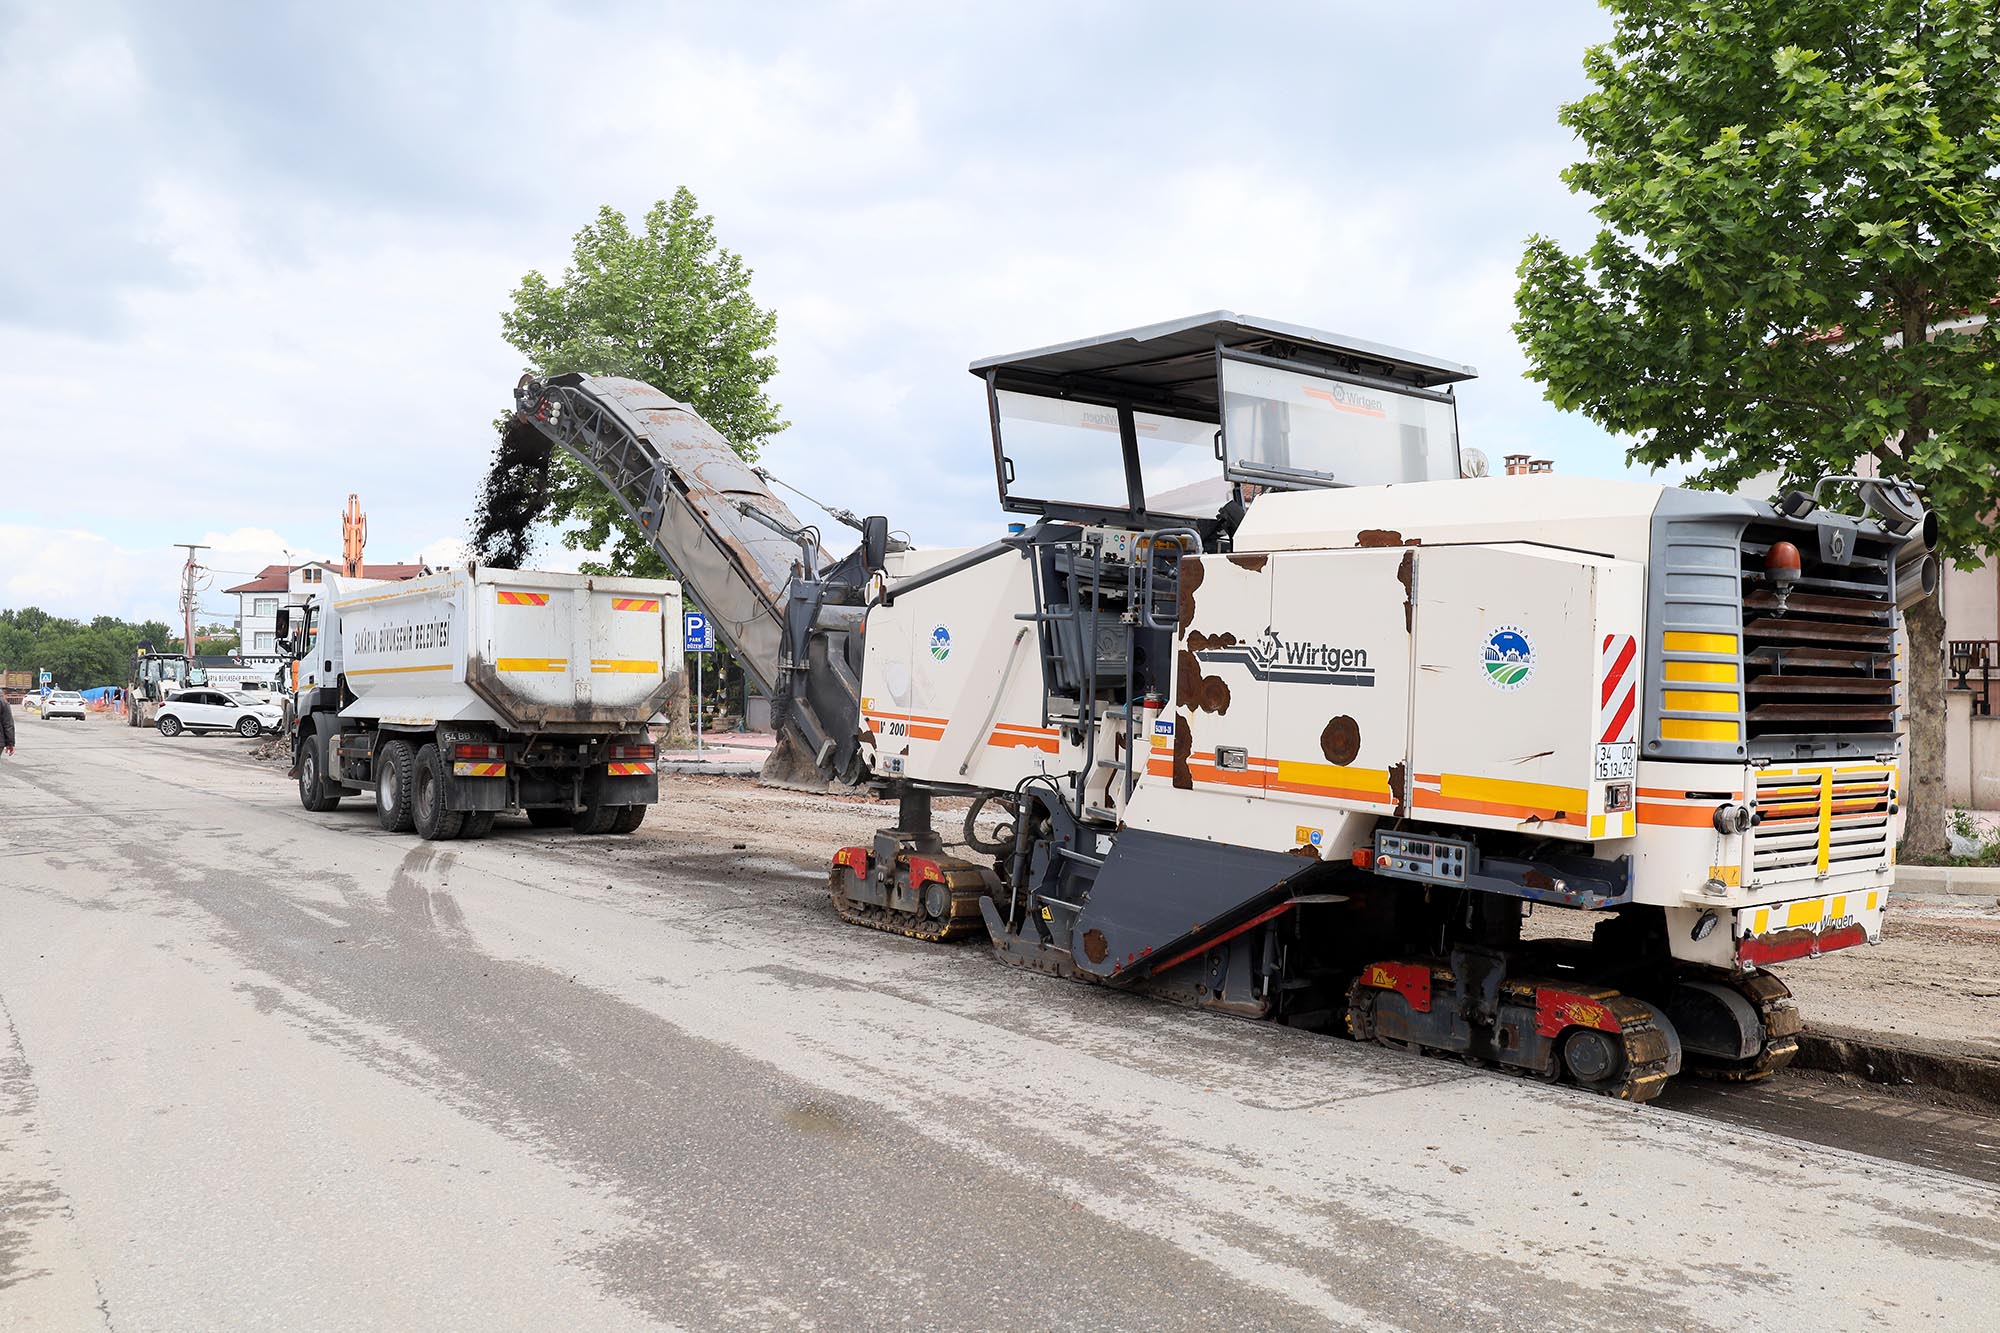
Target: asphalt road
x,y
260,1068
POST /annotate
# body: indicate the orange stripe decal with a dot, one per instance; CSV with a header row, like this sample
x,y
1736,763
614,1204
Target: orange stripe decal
x,y
635,604
523,598
1016,740
1680,816
1433,800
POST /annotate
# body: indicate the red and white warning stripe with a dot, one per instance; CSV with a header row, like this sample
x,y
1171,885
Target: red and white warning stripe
x,y
1618,696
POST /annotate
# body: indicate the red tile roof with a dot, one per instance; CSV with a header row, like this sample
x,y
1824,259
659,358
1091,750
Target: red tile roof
x,y
272,578
277,578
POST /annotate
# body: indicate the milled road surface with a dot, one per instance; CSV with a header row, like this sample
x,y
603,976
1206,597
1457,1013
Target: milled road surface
x,y
260,1068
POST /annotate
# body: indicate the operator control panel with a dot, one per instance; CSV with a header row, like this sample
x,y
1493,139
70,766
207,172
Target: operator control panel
x,y
1430,860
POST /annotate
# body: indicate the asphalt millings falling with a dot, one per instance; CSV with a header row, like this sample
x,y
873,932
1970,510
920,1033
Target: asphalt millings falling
x,y
514,495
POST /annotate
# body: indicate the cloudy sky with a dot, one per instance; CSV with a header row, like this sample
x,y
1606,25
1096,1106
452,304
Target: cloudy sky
x,y
252,257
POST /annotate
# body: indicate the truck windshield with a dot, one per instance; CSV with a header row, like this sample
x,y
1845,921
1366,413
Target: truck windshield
x,y
1289,428
1068,452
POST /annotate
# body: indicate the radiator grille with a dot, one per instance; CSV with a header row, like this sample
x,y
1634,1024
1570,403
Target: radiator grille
x,y
1826,665
1822,821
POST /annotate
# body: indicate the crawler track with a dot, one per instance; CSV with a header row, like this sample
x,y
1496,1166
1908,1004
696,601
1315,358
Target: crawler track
x,y
1782,1024
963,885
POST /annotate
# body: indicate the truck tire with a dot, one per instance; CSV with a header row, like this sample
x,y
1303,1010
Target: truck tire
x,y
478,823
434,822
628,818
547,816
312,789
593,819
394,774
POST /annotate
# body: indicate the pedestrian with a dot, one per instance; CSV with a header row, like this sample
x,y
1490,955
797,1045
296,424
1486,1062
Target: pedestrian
x,y
6,726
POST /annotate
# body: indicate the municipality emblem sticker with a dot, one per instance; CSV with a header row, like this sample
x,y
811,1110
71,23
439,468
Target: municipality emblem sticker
x,y
1509,657
940,643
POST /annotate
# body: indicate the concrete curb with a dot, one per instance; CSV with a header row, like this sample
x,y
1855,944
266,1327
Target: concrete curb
x,y
1972,881
1931,1064
710,768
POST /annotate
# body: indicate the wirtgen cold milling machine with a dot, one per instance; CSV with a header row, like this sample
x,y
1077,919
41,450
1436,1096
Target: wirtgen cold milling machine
x,y
1288,720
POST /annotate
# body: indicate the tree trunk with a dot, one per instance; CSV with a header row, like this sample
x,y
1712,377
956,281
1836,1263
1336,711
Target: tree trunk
x,y
1923,773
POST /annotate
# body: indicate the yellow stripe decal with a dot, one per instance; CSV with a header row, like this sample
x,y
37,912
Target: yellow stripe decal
x,y
1805,913
1825,817
1699,701
396,671
531,664
1700,673
627,665
1685,641
1506,791
1683,729
384,597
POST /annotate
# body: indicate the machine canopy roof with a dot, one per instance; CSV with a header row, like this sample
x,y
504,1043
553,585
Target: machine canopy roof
x,y
1172,366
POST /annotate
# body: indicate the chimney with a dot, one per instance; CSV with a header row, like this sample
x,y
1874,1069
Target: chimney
x,y
1517,464
1540,465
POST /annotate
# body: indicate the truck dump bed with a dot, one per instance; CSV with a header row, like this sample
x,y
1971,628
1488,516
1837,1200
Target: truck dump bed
x,y
528,650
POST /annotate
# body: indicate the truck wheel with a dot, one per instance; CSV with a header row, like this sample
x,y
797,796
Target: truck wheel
x,y
169,725
478,823
249,728
629,817
393,775
434,822
312,792
545,816
593,819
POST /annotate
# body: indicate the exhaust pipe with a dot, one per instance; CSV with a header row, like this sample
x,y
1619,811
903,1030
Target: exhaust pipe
x,y
1917,569
1917,577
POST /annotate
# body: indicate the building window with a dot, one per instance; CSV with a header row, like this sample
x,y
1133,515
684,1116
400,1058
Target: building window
x,y
267,641
310,574
266,606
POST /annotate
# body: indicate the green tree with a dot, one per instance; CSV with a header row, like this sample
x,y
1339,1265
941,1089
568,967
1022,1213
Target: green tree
x,y
668,306
1800,213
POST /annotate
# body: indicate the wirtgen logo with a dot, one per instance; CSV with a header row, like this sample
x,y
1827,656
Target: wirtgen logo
x,y
1280,660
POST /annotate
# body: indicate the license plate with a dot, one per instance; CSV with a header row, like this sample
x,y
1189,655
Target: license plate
x,y
1617,761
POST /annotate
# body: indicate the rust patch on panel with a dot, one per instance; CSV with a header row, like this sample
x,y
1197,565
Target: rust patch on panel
x,y
1183,747
1396,783
1196,690
1406,574
1191,574
1536,879
1305,849
1198,642
1369,537
1094,945
1341,740
1254,563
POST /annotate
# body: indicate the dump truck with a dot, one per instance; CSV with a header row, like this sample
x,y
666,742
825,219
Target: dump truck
x,y
1283,716
467,693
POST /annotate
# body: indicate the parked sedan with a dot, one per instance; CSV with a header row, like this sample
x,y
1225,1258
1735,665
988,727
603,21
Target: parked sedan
x,y
217,710
63,703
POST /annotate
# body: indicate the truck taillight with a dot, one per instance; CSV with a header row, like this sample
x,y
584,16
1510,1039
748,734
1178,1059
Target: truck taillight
x,y
475,752
632,752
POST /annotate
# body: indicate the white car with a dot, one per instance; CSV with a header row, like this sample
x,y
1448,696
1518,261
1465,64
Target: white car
x,y
218,710
63,703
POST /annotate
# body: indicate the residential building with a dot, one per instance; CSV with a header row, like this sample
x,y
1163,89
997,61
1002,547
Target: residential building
x,y
278,585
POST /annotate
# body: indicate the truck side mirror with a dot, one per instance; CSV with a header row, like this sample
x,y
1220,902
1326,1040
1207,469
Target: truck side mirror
x,y
284,622
874,542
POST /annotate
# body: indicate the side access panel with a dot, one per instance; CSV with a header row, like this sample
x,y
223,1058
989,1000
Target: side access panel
x,y
1517,720
1336,663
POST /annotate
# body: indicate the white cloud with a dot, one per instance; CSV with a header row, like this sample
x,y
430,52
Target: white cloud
x,y
262,260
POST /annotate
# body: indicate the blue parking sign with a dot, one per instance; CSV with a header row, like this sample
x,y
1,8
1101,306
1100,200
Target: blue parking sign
x,y
697,633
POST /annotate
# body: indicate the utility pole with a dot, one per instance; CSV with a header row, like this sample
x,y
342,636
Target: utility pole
x,y
188,572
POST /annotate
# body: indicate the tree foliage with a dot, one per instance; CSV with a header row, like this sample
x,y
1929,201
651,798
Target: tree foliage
x,y
80,656
1799,200
668,306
